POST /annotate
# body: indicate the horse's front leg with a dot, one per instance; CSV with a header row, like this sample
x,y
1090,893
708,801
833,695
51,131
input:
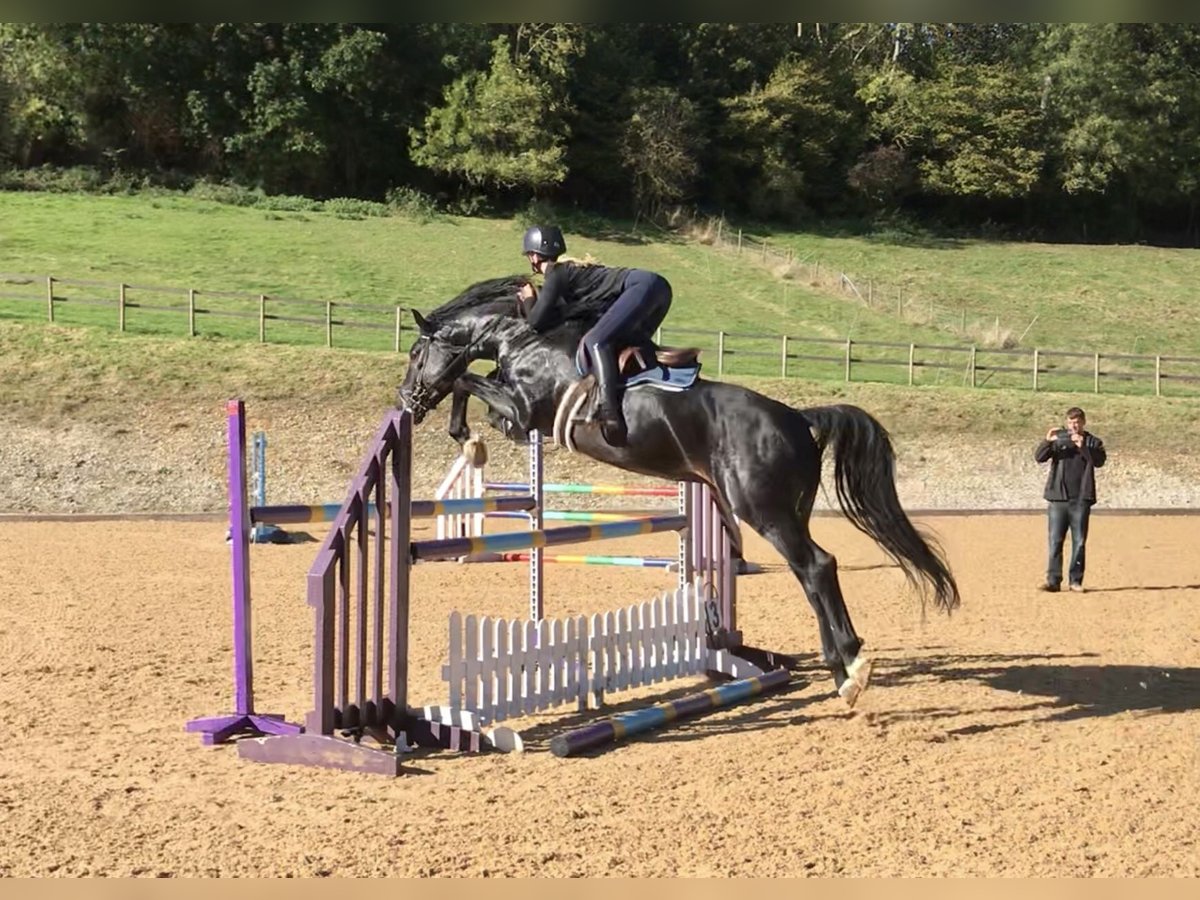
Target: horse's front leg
x,y
501,399
459,429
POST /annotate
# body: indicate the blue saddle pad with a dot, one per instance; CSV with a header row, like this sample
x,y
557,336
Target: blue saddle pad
x,y
677,378
665,378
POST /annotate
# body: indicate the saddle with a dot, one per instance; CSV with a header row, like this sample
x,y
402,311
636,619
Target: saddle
x,y
670,369
633,360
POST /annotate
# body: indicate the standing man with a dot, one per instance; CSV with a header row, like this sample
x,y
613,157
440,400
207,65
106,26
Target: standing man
x,y
1074,455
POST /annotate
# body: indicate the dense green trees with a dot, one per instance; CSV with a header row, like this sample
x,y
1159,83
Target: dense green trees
x,y
1089,127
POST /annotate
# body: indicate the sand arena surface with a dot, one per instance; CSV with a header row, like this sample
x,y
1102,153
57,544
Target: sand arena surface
x,y
1030,734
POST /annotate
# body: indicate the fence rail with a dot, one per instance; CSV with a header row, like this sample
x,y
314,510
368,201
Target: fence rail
x,y
219,313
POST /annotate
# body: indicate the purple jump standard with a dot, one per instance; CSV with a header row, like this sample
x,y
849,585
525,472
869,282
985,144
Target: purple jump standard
x,y
243,720
623,725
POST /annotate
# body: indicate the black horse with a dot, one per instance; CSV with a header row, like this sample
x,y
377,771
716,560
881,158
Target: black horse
x,y
761,457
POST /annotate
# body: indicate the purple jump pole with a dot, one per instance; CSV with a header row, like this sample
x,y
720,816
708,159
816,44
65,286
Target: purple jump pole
x,y
623,725
244,720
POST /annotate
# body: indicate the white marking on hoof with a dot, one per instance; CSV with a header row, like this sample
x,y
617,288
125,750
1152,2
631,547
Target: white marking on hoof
x,y
860,670
849,691
474,451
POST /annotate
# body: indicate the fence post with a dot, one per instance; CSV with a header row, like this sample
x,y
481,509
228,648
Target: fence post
x,y
397,329
50,297
720,223
739,240
1035,368
1157,376
262,318
849,344
121,307
972,365
912,359
764,251
783,359
720,353
192,312
1096,375
328,323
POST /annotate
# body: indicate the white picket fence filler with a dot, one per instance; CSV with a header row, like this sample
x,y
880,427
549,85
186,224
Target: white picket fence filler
x,y
463,480
501,669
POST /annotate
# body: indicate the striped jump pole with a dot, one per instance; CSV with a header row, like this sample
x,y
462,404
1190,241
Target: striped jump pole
x,y
571,534
421,509
577,515
612,490
623,725
637,562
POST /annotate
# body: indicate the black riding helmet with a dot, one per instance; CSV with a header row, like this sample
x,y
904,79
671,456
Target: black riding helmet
x,y
545,240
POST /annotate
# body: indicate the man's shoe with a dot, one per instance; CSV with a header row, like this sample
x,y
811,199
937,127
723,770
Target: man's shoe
x,y
1077,588
1048,587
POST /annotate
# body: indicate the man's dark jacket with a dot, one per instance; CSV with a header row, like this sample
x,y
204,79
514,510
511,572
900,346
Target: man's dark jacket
x,y
1093,454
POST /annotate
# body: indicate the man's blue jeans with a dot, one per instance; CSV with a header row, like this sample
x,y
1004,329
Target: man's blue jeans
x,y
1064,514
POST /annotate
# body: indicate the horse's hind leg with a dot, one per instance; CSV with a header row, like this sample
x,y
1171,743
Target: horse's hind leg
x,y
816,570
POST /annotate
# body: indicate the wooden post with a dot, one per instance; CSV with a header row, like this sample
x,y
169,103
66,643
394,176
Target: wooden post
x,y
191,312
739,240
764,251
720,353
1035,368
398,327
1096,375
783,359
328,323
912,361
972,365
50,297
1157,376
720,224
262,318
121,307
849,344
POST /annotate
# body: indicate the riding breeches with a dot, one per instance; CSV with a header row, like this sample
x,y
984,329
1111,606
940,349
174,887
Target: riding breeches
x,y
634,316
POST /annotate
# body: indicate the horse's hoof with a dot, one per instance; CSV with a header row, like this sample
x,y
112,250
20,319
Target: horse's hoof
x,y
858,673
849,691
474,451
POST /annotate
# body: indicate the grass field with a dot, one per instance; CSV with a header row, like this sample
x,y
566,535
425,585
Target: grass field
x,y
49,373
1113,300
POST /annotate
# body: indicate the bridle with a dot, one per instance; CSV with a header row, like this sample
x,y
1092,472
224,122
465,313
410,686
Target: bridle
x,y
424,395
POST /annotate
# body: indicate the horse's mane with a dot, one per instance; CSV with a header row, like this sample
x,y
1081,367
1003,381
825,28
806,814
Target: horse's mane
x,y
499,296
494,295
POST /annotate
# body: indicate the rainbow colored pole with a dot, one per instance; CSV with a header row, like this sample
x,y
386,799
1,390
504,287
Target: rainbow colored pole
x,y
421,509
628,490
522,540
578,515
642,562
623,725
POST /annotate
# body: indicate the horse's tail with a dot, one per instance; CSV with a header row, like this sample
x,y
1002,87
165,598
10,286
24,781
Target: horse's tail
x,y
865,477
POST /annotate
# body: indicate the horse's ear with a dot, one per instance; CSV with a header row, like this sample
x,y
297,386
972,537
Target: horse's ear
x,y
421,323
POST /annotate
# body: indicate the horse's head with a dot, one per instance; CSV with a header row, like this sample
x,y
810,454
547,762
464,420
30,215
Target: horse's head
x,y
467,328
440,354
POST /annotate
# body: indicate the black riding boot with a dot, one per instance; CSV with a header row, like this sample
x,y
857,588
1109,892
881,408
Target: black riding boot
x,y
608,413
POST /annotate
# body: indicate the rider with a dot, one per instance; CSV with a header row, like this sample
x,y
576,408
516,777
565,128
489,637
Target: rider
x,y
635,302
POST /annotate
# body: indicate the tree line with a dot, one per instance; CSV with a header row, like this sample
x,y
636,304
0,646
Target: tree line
x,y
1080,130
